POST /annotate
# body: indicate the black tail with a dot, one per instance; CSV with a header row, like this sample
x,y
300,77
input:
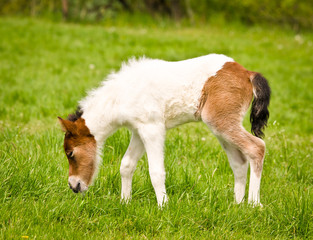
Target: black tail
x,y
259,110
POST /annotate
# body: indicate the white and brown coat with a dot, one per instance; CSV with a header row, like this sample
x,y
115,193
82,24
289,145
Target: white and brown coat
x,y
150,96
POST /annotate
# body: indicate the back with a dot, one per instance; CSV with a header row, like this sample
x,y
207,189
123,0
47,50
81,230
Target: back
x,y
156,90
169,89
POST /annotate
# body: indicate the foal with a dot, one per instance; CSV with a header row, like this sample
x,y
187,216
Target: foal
x,y
150,96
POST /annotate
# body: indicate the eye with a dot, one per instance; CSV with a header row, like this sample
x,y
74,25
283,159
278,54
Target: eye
x,y
70,154
68,134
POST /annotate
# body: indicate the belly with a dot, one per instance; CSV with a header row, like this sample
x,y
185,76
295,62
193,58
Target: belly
x,y
182,107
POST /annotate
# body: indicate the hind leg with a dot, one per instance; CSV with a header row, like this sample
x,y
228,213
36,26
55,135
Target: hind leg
x,y
245,146
239,165
241,148
253,149
256,158
226,98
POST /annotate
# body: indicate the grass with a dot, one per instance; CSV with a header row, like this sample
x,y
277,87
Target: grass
x,y
46,67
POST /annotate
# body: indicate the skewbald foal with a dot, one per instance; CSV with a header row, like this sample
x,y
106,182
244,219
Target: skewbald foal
x,y
150,96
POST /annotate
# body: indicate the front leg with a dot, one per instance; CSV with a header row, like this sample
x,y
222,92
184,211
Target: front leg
x,y
153,136
133,154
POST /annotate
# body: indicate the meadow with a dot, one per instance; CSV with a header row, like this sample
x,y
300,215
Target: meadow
x,y
47,67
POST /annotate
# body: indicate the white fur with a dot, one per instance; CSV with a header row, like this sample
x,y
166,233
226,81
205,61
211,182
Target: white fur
x,y
148,96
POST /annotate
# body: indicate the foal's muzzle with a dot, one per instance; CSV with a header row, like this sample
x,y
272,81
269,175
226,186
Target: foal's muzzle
x,y
75,189
76,184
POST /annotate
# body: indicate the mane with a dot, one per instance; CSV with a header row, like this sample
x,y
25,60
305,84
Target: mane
x,y
74,116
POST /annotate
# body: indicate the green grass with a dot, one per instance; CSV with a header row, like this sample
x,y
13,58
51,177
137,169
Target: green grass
x,y
45,70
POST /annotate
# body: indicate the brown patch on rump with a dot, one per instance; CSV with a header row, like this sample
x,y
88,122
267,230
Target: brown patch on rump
x,y
230,90
80,148
224,101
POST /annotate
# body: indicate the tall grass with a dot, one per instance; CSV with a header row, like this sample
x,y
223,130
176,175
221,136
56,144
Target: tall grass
x,y
45,68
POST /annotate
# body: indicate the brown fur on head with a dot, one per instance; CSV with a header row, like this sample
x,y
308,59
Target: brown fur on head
x,y
80,149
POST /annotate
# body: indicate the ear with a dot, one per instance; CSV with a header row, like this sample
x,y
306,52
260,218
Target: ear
x,y
82,129
66,125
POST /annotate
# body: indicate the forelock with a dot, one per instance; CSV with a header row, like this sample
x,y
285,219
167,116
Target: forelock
x,y
75,116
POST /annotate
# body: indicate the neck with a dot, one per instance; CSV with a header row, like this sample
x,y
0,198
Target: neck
x,y
100,112
101,127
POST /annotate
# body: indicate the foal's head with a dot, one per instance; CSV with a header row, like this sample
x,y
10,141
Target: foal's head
x,y
80,149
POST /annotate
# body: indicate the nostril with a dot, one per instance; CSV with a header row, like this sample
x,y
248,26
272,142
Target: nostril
x,y
75,189
76,185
